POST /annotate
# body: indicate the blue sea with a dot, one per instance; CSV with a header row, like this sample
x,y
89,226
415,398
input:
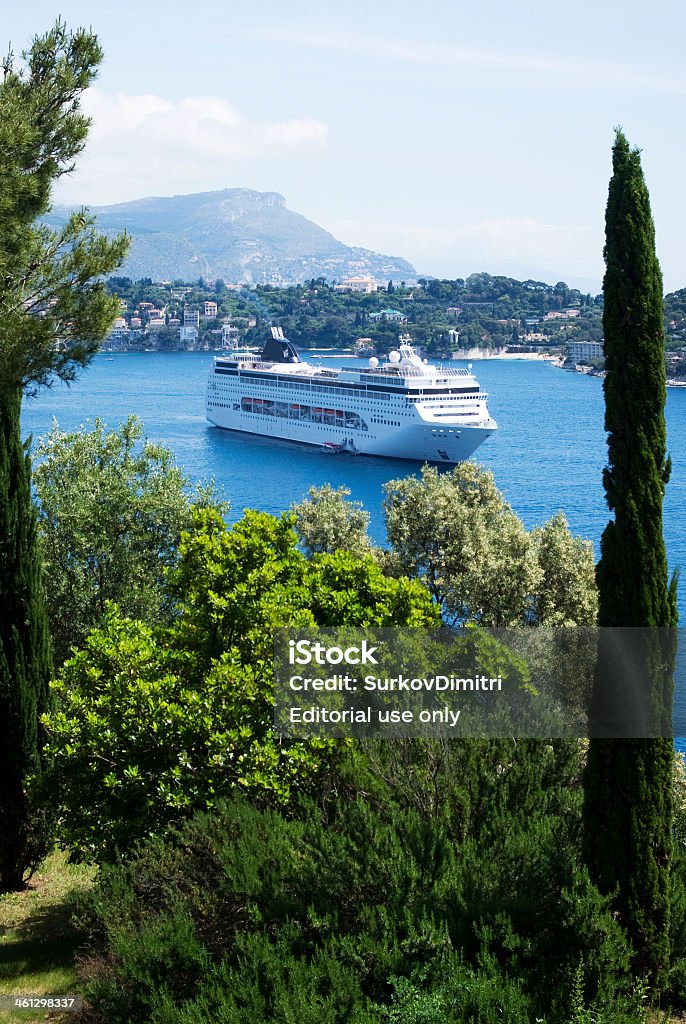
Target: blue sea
x,y
547,455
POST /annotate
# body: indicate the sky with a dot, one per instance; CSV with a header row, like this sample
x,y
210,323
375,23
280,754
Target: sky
x,y
464,137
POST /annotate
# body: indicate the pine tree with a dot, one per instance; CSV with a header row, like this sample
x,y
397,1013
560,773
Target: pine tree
x,y
627,807
54,310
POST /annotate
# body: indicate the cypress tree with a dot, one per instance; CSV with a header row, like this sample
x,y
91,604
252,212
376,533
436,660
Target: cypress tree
x,y
627,806
55,309
24,651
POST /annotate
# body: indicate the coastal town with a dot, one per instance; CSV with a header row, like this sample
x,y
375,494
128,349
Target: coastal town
x,y
480,317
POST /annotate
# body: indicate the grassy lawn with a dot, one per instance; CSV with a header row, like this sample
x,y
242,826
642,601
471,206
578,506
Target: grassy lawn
x,y
37,940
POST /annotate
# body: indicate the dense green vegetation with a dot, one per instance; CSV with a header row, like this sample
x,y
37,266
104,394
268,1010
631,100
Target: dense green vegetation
x,y
413,881
25,662
456,533
371,906
110,515
246,876
55,311
155,721
628,850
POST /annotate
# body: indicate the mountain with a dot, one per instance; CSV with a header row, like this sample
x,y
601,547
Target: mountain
x,y
236,234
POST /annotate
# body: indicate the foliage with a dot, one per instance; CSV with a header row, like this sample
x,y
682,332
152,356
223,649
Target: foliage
x,y
54,309
326,522
110,512
632,547
25,662
54,305
628,784
153,722
567,594
457,533
488,311
360,908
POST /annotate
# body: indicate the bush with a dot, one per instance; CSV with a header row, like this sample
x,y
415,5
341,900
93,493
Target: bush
x,y
357,908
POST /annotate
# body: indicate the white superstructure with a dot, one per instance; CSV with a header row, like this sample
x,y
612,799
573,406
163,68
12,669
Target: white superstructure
x,y
403,408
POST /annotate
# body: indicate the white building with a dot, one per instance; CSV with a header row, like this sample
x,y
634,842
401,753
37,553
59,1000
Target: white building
x,y
119,335
229,335
188,334
358,284
391,316
586,352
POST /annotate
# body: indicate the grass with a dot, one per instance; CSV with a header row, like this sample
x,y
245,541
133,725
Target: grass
x,y
38,943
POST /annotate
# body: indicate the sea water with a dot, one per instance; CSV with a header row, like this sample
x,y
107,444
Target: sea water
x,y
547,455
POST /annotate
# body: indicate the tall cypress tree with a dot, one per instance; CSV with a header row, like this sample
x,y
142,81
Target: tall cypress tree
x,y
24,650
627,806
54,309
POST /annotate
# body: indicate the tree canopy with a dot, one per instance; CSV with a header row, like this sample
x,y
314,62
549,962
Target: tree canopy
x,y
456,532
54,304
111,509
327,521
152,722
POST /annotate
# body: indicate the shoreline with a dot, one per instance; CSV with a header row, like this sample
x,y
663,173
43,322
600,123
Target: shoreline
x,y
538,357
336,353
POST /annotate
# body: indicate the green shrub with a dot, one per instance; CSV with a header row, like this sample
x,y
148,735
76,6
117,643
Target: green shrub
x,y
359,908
153,722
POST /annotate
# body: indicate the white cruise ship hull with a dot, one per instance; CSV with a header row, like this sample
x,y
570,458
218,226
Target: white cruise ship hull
x,y
413,441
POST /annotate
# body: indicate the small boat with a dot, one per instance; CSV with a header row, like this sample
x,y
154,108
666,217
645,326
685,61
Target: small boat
x,y
346,447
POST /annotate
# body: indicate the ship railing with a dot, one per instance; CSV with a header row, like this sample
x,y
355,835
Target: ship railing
x,y
416,371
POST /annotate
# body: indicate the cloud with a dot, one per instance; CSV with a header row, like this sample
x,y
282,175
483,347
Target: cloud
x,y
580,71
147,145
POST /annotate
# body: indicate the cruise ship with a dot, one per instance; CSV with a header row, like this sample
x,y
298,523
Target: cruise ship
x,y
403,408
